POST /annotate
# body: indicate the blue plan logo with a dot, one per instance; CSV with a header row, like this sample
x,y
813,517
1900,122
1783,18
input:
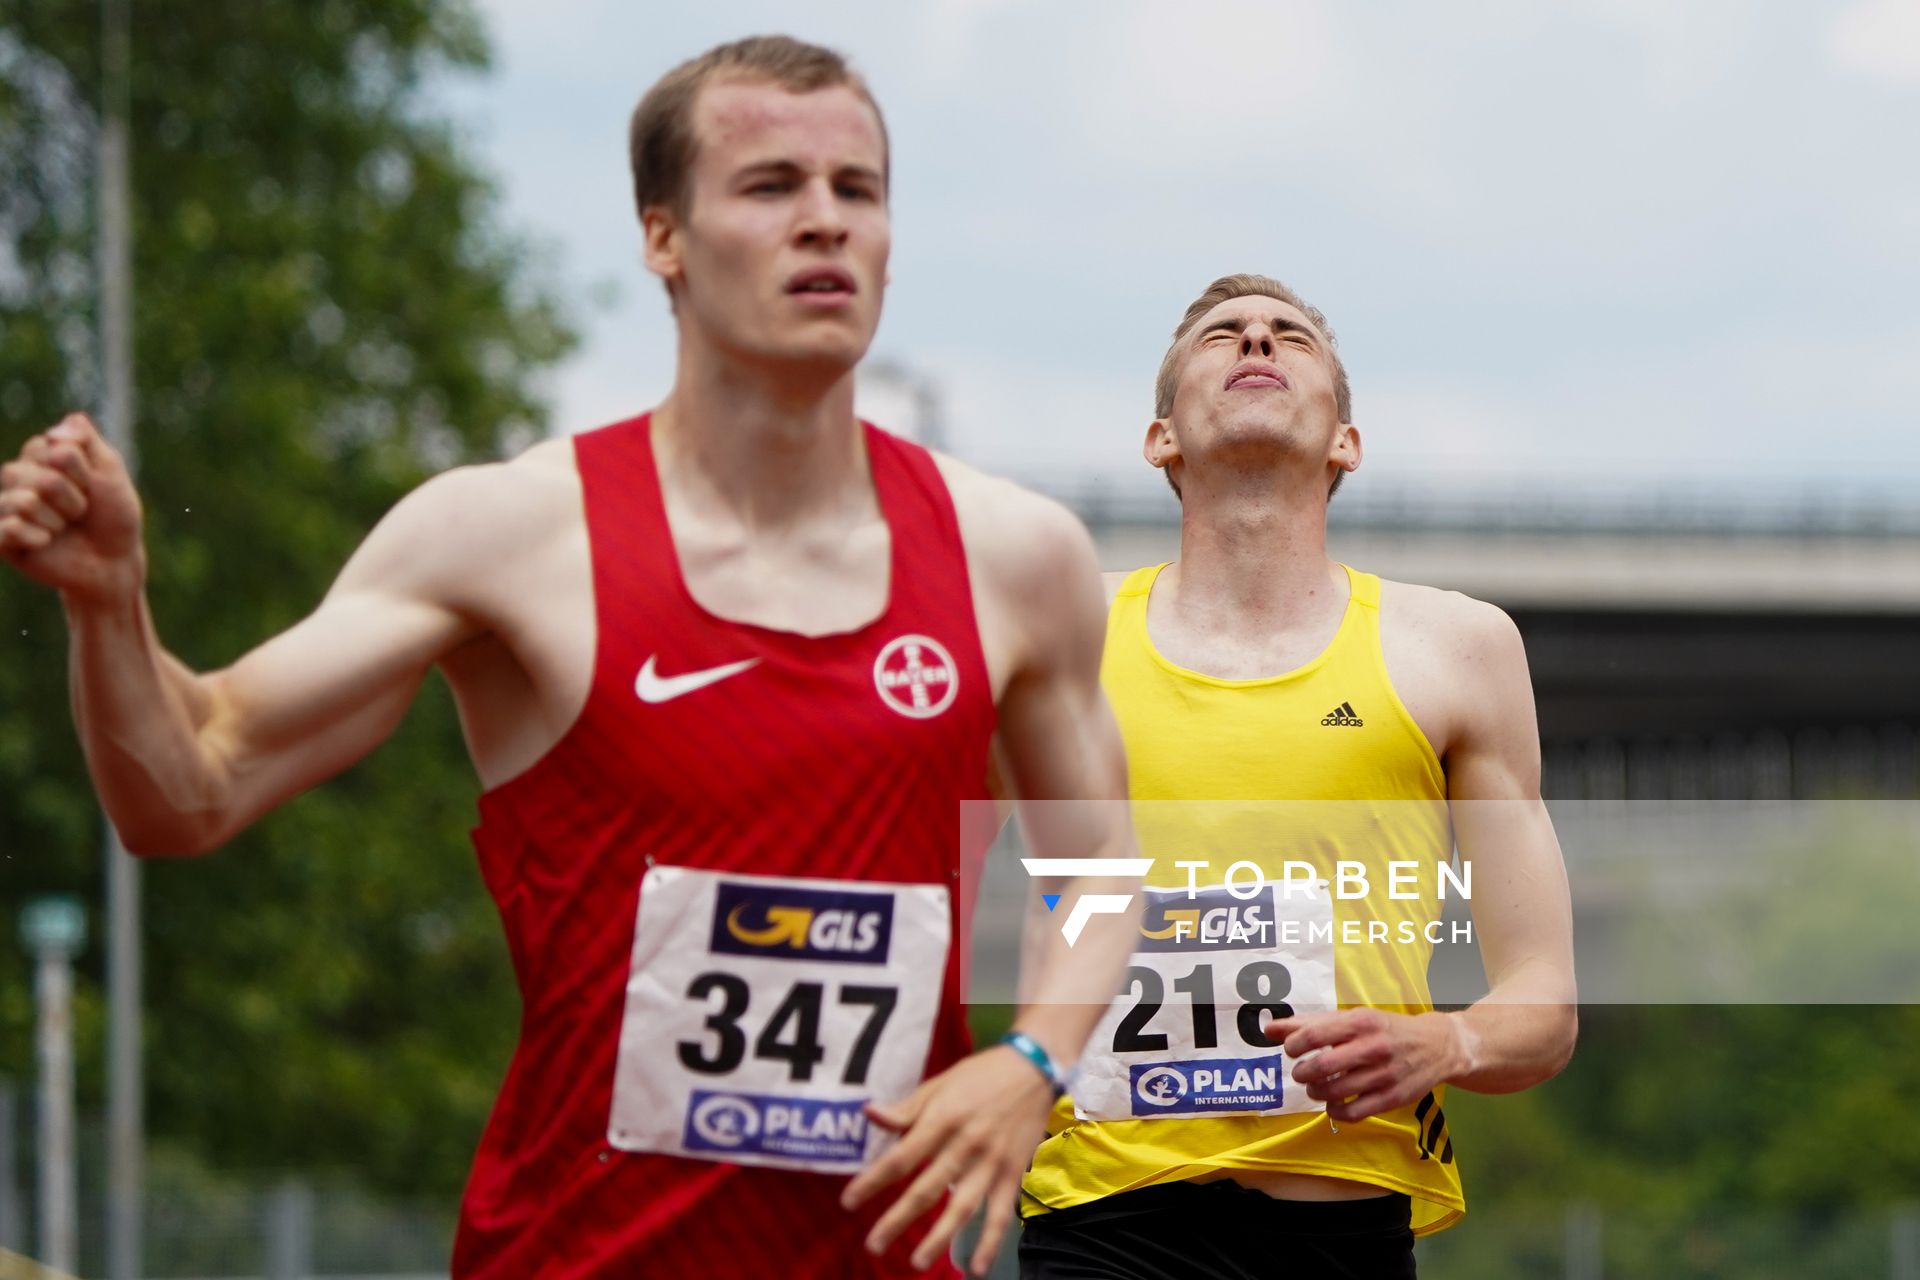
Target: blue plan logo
x,y
1210,1084
724,1122
756,1124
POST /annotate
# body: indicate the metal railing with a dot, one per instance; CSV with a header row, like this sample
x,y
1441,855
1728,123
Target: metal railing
x,y
1552,505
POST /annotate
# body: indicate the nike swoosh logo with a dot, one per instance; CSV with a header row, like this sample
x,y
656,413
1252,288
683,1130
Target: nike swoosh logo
x,y
657,688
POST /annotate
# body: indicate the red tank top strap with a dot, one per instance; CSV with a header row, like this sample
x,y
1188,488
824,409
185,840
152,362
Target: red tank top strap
x,y
625,510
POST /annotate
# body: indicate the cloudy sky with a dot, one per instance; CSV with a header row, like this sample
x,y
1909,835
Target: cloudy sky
x,y
1593,241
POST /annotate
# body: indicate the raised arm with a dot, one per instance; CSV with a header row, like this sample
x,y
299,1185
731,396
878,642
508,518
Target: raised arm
x,y
183,761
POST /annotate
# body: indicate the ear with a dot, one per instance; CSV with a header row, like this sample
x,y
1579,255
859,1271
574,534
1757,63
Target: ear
x,y
660,243
1161,448
1345,453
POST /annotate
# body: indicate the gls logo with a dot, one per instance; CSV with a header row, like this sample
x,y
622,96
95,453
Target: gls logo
x,y
1210,919
1087,905
790,923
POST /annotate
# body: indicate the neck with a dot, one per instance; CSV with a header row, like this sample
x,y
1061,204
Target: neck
x,y
1253,550
770,443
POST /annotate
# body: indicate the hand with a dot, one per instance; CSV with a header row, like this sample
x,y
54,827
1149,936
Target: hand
x,y
970,1131
1370,1060
69,516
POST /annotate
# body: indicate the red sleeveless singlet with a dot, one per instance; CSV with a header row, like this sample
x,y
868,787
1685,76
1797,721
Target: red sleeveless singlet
x,y
730,767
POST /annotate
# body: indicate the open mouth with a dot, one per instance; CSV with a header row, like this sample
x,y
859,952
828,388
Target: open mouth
x,y
822,284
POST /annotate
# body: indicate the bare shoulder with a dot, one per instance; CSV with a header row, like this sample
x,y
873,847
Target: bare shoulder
x,y
1452,629
1442,613
493,515
1458,665
1020,539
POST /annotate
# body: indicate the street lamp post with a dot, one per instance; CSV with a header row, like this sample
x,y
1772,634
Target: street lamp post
x,y
55,929
126,1115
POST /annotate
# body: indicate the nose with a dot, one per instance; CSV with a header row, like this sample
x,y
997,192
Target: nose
x,y
1256,340
820,221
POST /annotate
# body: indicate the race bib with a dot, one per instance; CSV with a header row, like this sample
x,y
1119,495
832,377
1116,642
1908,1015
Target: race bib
x,y
762,1013
1184,1039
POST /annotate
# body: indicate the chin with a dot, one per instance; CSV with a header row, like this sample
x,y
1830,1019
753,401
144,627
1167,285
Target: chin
x,y
1255,431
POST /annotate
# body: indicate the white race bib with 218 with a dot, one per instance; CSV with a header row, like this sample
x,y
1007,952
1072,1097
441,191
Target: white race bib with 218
x,y
1185,1038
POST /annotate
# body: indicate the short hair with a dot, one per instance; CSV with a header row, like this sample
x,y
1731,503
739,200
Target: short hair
x,y
660,141
1247,285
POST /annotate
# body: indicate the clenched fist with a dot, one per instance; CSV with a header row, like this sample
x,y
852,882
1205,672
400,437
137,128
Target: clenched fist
x,y
69,516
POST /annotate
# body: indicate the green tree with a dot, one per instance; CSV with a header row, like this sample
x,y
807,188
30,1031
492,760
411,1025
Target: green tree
x,y
328,309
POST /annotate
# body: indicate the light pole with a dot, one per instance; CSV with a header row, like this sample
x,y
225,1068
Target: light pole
x,y
55,929
126,1148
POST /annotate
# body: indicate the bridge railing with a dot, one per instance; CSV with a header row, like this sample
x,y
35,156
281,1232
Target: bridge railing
x,y
1550,505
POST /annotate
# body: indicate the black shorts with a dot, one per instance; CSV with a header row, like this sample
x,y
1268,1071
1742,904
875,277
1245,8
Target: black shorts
x,y
1209,1230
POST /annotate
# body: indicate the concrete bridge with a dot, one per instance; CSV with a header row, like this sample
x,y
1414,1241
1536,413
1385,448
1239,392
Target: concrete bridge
x,y
1762,644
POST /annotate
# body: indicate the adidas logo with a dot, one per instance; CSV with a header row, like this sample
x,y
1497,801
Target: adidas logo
x,y
1343,715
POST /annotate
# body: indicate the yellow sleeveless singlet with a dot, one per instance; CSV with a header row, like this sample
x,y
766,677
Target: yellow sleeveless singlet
x,y
1362,784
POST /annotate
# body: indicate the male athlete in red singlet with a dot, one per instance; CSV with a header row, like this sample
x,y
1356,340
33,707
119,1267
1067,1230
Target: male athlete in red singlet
x,y
727,671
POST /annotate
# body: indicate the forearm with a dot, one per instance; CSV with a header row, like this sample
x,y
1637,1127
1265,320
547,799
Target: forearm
x,y
1516,1036
1069,989
139,711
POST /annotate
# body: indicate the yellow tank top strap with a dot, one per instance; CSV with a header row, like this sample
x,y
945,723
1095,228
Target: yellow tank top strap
x,y
1140,581
1364,586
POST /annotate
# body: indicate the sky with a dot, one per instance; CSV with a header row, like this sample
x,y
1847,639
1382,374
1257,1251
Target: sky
x,y
1597,242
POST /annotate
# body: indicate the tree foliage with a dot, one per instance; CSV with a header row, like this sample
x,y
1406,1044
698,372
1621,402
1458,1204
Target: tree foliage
x,y
328,309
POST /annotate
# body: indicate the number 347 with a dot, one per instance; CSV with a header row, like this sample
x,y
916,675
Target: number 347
x,y
792,1034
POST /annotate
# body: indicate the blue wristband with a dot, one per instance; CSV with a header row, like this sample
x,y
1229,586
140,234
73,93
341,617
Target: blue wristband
x,y
1029,1048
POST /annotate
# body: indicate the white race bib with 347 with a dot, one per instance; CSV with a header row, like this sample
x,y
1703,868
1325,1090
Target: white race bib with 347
x,y
763,1013
1185,1038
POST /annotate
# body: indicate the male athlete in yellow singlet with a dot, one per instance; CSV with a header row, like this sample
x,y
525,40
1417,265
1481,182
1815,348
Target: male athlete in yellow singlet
x,y
1279,706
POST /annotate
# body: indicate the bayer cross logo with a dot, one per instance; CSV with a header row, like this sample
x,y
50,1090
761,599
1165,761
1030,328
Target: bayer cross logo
x,y
916,676
725,1121
1161,1087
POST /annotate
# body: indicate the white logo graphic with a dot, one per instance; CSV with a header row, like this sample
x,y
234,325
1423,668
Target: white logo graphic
x,y
1160,1087
1088,905
656,688
916,676
726,1122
